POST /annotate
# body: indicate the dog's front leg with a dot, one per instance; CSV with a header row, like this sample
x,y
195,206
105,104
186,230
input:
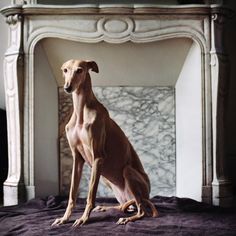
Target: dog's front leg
x,y
77,168
93,185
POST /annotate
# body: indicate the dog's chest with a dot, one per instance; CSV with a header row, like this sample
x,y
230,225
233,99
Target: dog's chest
x,y
85,145
85,130
80,136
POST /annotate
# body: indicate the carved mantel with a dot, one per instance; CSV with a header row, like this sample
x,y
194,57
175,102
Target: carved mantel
x,y
29,23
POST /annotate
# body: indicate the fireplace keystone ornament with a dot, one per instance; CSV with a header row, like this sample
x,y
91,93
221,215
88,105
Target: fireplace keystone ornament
x,y
93,23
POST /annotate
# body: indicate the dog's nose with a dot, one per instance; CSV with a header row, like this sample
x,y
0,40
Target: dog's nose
x,y
68,88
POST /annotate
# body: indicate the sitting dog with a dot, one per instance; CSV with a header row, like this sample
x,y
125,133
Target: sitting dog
x,y
96,139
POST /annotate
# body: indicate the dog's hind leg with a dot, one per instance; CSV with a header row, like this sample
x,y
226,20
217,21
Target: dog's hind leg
x,y
136,186
121,207
124,203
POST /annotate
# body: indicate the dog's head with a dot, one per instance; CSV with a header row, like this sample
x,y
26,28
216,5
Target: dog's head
x,y
75,73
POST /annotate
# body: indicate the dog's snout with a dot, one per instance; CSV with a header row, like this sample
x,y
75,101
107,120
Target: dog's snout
x,y
68,88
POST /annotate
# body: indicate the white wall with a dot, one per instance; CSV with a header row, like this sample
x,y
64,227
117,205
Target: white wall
x,y
189,127
46,127
126,64
3,48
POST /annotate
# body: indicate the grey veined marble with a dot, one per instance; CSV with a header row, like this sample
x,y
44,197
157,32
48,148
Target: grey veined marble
x,y
147,116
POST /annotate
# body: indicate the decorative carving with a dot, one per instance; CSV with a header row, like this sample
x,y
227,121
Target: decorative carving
x,y
218,18
115,27
13,19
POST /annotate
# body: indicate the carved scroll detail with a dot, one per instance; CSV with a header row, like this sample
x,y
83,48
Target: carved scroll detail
x,y
13,19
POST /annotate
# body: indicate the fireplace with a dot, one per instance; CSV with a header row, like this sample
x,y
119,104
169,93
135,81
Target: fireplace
x,y
194,104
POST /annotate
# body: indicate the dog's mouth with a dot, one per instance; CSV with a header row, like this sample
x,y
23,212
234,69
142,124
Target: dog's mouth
x,y
68,89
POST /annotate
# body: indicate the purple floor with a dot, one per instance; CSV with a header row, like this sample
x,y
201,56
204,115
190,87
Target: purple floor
x,y
177,216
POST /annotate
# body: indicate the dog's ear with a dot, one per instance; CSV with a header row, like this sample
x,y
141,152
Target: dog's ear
x,y
93,66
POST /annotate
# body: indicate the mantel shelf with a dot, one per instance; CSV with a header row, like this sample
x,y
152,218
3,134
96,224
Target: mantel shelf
x,y
115,9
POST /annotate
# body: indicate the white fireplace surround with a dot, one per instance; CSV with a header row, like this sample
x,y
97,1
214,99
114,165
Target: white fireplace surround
x,y
115,24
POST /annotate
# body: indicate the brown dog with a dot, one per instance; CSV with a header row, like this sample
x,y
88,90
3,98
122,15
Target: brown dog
x,y
95,138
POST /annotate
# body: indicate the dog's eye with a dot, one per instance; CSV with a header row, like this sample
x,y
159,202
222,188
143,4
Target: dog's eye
x,y
64,70
79,70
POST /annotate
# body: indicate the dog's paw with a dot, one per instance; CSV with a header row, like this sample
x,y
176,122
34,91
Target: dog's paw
x,y
123,221
59,221
79,222
99,209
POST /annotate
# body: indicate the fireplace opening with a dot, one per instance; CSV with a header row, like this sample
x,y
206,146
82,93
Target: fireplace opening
x,y
152,90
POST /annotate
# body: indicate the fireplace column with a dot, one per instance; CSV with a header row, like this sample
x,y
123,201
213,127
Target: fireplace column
x,y
13,80
221,185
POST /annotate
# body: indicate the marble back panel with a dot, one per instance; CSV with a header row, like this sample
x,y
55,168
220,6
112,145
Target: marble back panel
x,y
147,116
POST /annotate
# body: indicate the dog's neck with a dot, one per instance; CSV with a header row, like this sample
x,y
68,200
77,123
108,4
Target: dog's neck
x,y
83,96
